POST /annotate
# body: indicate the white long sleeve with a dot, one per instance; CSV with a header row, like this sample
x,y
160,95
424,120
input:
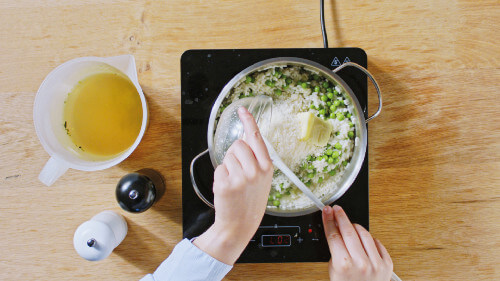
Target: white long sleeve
x,y
188,262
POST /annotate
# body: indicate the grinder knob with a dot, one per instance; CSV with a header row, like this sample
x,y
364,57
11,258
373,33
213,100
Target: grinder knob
x,y
136,192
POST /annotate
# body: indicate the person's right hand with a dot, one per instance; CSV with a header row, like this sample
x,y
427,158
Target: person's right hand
x,y
355,254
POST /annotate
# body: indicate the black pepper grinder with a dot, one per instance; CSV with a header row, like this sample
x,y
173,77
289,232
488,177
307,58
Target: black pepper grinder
x,y
136,192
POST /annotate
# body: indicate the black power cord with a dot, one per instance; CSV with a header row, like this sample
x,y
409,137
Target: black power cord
x,y
322,18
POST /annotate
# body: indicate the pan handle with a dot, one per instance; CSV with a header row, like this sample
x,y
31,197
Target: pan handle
x,y
193,181
373,81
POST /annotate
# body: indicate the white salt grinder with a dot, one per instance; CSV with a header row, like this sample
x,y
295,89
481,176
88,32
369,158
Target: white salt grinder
x,y
95,239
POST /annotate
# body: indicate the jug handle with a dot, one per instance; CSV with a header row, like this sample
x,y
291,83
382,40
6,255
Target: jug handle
x,y
193,181
375,84
52,170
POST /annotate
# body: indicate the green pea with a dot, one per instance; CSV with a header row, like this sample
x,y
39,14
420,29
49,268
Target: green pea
x,y
310,167
277,72
335,154
270,198
330,95
344,163
329,151
336,103
287,193
288,80
312,106
304,85
309,158
351,124
316,89
325,85
322,112
277,195
341,102
276,203
332,173
281,185
335,160
320,180
329,103
286,86
324,98
330,160
348,115
338,146
325,169
333,108
350,134
316,77
269,83
336,92
249,79
340,116
277,92
308,184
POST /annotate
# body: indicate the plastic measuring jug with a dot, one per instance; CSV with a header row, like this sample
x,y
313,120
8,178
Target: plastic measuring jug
x,y
49,107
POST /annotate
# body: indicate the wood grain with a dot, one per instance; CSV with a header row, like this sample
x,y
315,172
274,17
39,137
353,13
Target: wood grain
x,y
434,150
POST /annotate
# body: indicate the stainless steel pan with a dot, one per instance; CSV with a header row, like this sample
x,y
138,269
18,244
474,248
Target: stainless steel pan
x,y
358,157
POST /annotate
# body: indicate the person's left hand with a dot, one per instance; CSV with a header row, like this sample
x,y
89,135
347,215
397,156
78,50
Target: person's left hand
x,y
241,188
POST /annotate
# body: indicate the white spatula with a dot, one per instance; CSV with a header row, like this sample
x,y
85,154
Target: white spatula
x,y
291,175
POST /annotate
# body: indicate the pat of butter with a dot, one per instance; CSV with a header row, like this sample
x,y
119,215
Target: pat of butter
x,y
314,129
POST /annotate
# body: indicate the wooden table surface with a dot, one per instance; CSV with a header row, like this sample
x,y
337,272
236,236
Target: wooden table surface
x,y
434,150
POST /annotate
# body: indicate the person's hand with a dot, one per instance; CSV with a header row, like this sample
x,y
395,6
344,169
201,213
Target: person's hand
x,y
243,181
241,188
355,254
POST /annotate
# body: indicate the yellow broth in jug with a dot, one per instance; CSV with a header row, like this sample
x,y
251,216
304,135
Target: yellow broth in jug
x,y
103,115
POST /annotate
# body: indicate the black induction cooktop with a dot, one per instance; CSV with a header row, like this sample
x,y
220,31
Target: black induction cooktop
x,y
278,239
